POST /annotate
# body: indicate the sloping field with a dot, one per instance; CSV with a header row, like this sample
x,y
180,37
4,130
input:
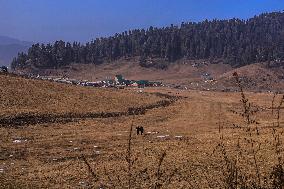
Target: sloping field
x,y
256,77
19,96
183,145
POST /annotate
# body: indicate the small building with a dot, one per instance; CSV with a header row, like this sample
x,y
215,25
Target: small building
x,y
207,77
142,83
3,69
134,84
119,79
154,84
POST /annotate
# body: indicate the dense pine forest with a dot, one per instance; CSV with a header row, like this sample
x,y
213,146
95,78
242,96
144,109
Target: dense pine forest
x,y
236,42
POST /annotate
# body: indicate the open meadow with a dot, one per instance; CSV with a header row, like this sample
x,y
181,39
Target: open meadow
x,y
62,136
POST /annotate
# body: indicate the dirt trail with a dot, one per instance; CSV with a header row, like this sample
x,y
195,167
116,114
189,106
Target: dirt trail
x,y
32,119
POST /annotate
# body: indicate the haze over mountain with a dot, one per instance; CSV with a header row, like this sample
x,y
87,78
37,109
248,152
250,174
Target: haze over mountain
x,y
10,47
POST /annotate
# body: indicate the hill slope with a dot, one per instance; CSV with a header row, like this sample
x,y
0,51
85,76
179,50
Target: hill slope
x,y
25,96
257,77
184,73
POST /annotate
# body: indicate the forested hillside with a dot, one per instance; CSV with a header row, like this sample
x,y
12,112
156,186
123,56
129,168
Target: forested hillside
x,y
236,42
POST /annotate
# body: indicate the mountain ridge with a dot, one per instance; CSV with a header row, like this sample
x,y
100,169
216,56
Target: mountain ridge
x,y
6,40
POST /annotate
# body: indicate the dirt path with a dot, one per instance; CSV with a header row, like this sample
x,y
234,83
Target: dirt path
x,y
32,119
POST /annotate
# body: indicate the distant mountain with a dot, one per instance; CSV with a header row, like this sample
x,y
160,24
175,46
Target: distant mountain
x,y
4,40
10,47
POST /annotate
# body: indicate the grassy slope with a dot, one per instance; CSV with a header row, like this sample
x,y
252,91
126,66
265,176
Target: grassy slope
x,y
20,95
256,76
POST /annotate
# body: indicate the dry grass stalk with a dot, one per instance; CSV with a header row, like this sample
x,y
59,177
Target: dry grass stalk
x,y
272,104
128,157
90,169
278,111
234,175
158,174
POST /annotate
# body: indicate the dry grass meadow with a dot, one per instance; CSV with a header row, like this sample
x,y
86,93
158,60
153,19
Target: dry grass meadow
x,y
198,141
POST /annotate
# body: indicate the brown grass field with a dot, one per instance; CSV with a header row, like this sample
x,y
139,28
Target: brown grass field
x,y
195,142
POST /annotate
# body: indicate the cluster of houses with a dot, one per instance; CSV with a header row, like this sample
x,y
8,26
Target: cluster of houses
x,y
120,81
117,82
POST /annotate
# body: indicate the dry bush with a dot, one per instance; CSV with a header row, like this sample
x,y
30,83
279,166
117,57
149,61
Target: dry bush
x,y
245,165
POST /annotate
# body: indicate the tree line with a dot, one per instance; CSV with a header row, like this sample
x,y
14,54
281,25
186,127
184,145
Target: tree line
x,y
235,41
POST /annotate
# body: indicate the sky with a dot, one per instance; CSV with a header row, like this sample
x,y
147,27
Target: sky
x,y
84,20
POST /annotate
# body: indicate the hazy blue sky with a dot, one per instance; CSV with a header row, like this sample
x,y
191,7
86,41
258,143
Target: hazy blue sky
x,y
83,20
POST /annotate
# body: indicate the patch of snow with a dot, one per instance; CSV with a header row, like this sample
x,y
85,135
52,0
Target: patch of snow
x,y
83,184
178,136
163,136
19,141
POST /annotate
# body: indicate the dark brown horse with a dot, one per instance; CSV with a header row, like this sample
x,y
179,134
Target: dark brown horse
x,y
139,130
